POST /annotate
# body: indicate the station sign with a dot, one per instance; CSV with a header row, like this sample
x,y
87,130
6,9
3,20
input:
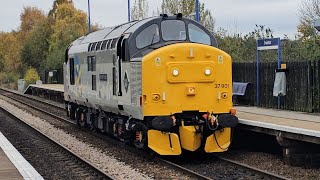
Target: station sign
x,y
266,44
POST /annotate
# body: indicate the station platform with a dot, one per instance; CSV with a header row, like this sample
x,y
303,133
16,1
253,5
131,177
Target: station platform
x,y
51,87
290,124
48,91
12,163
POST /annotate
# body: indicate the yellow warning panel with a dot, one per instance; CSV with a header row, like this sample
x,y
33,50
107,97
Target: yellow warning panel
x,y
160,142
190,140
222,138
283,66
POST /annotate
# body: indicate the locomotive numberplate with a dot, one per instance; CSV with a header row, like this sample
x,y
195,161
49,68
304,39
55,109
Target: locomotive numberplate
x,y
221,85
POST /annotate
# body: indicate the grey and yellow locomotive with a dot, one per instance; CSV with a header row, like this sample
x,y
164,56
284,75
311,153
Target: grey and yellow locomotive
x,y
158,83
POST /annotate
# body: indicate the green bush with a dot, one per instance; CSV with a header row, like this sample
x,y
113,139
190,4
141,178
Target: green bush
x,y
31,76
9,80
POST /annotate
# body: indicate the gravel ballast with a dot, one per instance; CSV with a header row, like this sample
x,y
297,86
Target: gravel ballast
x,y
272,163
107,163
139,160
265,161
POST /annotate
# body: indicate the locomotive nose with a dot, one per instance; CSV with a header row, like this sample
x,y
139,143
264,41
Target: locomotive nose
x,y
187,80
186,77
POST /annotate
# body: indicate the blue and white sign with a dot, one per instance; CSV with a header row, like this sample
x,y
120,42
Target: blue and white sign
x,y
266,44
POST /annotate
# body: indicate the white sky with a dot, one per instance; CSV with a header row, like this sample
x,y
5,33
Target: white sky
x,y
237,16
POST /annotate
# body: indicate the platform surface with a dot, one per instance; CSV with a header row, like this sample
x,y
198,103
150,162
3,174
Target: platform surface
x,y
52,87
12,163
7,169
289,121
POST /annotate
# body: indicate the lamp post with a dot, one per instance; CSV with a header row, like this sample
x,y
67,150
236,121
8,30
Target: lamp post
x,y
197,11
89,23
129,11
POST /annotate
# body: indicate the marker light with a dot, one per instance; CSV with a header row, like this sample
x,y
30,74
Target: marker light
x,y
175,72
233,111
207,72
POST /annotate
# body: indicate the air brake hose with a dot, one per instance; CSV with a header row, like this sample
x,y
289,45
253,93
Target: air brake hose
x,y
215,137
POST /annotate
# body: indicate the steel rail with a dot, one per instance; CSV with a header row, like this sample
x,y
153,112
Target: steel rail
x,y
84,161
30,97
173,165
263,173
176,166
183,169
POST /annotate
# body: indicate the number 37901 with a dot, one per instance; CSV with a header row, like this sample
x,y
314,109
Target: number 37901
x,y
221,85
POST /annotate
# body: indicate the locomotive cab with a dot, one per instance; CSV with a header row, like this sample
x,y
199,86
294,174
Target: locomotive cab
x,y
165,31
181,70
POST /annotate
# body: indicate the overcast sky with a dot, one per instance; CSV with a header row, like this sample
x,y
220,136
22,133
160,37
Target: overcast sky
x,y
237,16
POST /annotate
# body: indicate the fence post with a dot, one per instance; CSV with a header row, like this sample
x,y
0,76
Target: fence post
x,y
318,77
310,87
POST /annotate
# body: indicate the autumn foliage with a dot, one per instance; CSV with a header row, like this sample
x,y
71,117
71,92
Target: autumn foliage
x,y
31,76
40,41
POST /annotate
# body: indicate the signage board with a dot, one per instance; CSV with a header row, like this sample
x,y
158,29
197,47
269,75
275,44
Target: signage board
x,y
266,44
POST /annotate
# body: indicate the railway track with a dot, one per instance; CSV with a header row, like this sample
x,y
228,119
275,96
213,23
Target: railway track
x,y
49,157
213,166
191,169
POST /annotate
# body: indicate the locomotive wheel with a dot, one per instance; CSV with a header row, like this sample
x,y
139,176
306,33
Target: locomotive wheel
x,y
72,113
82,119
103,130
68,112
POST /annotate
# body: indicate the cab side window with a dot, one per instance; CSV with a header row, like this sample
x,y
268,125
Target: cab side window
x,y
148,36
197,35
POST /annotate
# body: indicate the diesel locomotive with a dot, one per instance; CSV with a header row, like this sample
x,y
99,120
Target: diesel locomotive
x,y
159,83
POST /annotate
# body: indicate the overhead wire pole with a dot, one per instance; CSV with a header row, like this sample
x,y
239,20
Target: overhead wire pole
x,y
197,11
129,14
89,22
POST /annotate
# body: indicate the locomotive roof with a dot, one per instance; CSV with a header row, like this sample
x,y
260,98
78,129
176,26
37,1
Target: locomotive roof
x,y
111,32
132,29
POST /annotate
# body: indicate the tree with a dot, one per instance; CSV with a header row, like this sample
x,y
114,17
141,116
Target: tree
x,y
29,19
309,12
10,58
261,32
139,10
68,25
10,46
187,7
242,48
55,5
36,46
2,61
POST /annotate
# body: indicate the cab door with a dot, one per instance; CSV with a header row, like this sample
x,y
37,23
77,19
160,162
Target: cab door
x,y
119,65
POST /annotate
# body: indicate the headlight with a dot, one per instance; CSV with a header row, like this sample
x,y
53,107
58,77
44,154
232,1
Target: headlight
x,y
175,72
207,72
